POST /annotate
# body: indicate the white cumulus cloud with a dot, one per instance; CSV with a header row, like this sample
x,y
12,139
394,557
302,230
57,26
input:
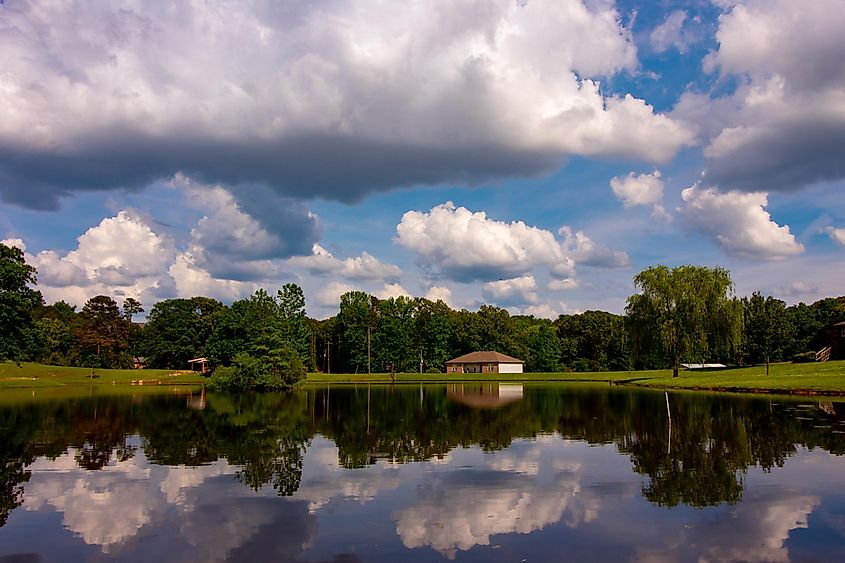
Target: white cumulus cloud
x,y
121,256
590,253
516,291
738,222
638,189
363,267
465,245
836,234
330,99
439,293
329,294
783,127
671,33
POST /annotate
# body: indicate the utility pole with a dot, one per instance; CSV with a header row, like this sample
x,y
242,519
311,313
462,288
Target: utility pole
x,y
368,351
421,362
329,355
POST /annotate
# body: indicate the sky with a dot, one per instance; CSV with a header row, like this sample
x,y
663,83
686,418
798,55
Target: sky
x,y
530,154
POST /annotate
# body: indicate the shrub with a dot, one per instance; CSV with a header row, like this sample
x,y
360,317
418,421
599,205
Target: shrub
x,y
276,369
224,378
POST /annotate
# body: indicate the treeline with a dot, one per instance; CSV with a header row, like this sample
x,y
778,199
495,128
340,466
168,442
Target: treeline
x,y
268,341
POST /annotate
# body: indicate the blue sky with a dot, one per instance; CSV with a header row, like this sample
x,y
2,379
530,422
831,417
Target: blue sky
x,y
533,155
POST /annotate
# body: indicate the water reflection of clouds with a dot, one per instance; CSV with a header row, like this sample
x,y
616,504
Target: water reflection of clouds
x,y
757,529
132,501
520,490
323,479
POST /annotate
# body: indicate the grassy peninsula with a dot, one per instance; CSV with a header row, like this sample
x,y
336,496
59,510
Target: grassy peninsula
x,y
30,375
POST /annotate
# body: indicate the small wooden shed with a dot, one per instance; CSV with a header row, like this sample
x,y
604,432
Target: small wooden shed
x,y
486,361
199,364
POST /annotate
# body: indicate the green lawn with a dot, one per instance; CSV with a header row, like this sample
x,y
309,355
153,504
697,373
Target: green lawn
x,y
824,377
446,378
38,375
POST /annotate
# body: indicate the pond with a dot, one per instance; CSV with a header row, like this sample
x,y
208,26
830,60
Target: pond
x,y
421,473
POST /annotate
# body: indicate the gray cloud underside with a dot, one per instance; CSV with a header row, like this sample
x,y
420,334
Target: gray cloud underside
x,y
785,157
333,167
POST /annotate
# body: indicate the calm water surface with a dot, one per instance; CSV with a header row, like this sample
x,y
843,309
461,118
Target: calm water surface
x,y
421,473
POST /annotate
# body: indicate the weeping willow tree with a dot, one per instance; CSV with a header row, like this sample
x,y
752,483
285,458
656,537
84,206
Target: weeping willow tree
x,y
691,311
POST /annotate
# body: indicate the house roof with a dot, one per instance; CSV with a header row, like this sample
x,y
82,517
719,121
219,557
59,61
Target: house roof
x,y
840,324
486,356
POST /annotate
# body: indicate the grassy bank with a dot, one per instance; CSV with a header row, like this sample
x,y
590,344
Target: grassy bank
x,y
465,377
810,378
38,375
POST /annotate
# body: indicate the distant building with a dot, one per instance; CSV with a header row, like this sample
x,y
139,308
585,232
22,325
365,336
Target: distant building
x,y
199,364
139,362
484,362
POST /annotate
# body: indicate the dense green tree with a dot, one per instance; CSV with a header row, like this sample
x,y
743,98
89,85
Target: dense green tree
x,y
57,342
352,321
102,335
593,341
178,330
433,333
466,333
132,307
295,330
17,302
396,349
543,346
766,329
691,308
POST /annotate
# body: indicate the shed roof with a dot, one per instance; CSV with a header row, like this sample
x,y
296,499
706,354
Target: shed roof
x,y
840,324
486,356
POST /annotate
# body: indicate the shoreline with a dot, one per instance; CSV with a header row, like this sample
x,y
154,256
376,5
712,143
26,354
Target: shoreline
x,y
813,379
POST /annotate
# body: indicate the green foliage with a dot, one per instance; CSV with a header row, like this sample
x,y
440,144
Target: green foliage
x,y
356,315
102,335
593,341
57,342
294,327
433,332
766,328
690,309
262,323
277,369
178,330
17,301
393,341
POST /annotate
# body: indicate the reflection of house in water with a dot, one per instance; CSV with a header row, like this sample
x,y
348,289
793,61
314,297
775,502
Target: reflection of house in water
x,y
197,402
485,395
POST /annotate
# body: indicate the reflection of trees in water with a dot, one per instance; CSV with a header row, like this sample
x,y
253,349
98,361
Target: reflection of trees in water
x,y
713,440
703,462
